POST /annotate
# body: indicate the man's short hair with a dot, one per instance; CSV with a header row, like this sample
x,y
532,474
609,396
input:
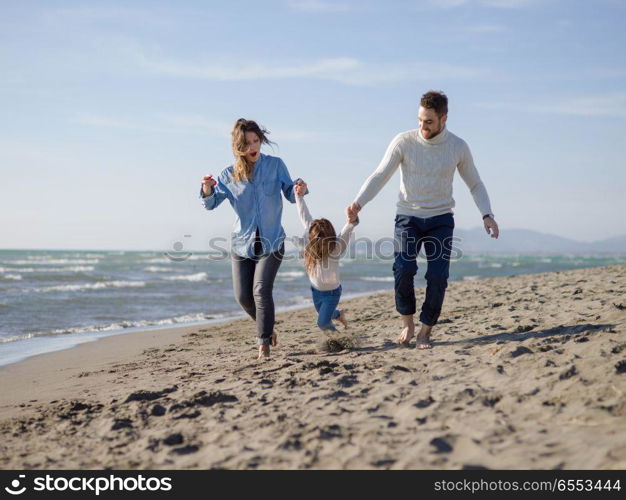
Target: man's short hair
x,y
435,100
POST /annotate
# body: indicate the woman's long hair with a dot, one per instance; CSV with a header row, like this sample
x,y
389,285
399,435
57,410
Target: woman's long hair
x,y
242,169
322,241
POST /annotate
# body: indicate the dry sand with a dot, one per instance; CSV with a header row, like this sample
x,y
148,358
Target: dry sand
x,y
526,372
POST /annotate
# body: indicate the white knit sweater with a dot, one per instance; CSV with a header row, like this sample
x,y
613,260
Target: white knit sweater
x,y
427,170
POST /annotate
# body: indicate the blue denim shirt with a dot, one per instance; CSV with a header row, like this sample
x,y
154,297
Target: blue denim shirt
x,y
257,203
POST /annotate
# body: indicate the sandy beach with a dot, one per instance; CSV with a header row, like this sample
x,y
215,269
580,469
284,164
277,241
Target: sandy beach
x,y
527,371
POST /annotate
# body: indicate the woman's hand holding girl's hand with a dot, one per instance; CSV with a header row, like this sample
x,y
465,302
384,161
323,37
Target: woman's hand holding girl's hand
x,y
300,187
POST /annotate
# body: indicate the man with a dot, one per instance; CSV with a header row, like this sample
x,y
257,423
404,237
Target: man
x,y
428,158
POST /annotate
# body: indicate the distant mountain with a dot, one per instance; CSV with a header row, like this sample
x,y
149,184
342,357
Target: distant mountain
x,y
617,244
527,241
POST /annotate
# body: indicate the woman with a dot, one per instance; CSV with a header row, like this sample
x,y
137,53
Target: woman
x,y
253,185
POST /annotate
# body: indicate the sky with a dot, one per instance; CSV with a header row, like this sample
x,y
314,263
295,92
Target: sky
x,y
111,112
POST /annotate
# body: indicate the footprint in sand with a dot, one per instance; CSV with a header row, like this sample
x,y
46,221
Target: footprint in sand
x,y
185,450
150,395
348,381
520,351
122,423
442,445
158,411
569,373
174,439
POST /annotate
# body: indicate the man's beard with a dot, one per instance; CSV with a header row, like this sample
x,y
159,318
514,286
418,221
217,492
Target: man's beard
x,y
435,134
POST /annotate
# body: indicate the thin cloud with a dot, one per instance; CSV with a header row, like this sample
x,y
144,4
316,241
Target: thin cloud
x,y
448,4
486,28
242,72
196,124
317,6
609,105
192,124
346,70
573,75
606,105
501,4
387,73
162,123
97,14
510,4
108,122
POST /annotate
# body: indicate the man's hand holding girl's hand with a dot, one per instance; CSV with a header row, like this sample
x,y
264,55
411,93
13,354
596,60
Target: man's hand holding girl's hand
x,y
352,212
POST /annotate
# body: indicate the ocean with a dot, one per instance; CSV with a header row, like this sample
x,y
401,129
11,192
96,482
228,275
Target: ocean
x,y
52,300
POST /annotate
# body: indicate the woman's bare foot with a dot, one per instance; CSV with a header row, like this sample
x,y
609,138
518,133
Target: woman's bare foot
x,y
274,339
406,336
342,318
264,352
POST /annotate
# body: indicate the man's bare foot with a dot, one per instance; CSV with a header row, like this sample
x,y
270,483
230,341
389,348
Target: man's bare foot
x,y
264,352
274,339
423,343
406,336
423,338
342,318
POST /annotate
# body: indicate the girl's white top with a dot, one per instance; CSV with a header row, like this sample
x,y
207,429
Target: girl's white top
x,y
325,276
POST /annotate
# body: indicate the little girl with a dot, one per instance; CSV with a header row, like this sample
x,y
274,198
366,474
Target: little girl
x,y
322,251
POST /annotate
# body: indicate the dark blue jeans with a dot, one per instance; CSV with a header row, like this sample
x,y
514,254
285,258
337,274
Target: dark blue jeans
x,y
326,307
435,233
